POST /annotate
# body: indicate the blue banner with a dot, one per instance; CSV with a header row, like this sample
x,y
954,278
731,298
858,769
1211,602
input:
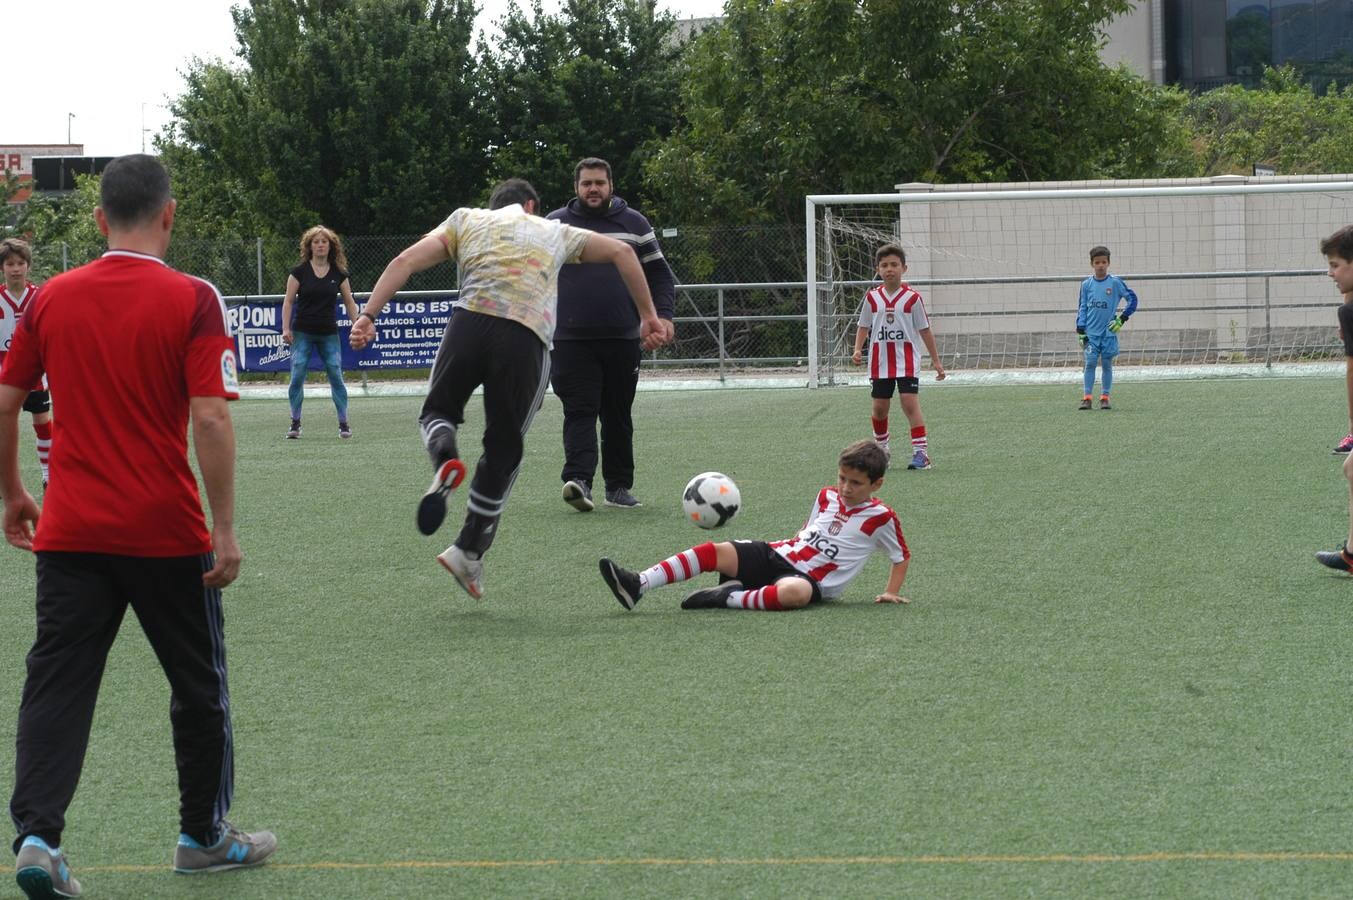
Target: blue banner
x,y
407,335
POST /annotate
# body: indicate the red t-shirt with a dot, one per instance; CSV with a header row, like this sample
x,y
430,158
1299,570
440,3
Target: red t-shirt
x,y
124,341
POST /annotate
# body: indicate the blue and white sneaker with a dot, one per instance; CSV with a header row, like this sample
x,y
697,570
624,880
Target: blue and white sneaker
x,y
42,872
919,460
234,849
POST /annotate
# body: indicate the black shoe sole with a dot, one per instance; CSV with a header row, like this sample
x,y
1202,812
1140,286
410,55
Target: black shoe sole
x,y
432,508
711,598
610,573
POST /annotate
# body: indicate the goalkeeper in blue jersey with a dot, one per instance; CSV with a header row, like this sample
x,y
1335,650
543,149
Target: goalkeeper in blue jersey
x,y
1098,320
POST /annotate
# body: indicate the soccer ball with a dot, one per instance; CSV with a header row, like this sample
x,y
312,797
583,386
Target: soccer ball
x,y
711,499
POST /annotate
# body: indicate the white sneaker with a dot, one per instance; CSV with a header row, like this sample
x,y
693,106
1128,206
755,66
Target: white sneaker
x,y
465,570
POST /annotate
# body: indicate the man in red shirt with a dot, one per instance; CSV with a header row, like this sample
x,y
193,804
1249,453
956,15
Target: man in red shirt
x,y
134,351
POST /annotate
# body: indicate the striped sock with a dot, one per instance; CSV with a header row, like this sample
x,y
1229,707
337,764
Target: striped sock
x,y
766,598
880,430
918,438
44,442
685,565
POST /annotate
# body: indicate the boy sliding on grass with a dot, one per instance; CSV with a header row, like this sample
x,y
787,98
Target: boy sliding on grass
x,y
1338,250
846,523
1098,322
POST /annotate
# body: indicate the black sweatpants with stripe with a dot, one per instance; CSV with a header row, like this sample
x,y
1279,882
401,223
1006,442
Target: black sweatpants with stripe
x,y
512,364
81,600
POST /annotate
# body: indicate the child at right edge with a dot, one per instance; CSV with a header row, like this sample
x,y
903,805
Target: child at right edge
x,y
845,525
1338,250
1346,335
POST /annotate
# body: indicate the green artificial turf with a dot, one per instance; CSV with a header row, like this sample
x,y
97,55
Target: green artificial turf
x,y
1122,672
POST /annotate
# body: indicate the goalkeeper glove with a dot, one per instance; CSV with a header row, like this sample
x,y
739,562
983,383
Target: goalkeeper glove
x,y
1117,323
1082,337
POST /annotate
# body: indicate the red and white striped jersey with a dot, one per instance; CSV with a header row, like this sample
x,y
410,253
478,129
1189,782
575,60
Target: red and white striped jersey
x,y
894,324
11,308
834,543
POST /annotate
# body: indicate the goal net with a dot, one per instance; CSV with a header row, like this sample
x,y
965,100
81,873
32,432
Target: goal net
x,y
1225,272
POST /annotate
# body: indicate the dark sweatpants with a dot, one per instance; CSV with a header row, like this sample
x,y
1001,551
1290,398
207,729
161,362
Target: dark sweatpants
x,y
596,379
81,600
512,364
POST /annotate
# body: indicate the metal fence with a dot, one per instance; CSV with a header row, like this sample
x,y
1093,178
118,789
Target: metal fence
x,y
742,306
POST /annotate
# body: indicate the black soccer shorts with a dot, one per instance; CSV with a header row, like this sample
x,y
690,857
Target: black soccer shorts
x,y
882,388
760,566
37,402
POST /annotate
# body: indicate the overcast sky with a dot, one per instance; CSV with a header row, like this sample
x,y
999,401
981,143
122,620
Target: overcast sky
x,y
113,64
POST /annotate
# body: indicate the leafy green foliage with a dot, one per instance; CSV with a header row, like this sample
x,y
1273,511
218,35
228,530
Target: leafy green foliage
x,y
820,96
1284,122
600,78
363,114
62,228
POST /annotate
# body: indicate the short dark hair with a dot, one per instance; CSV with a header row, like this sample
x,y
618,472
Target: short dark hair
x,y
592,162
1339,244
513,190
890,250
865,456
133,190
1099,250
16,247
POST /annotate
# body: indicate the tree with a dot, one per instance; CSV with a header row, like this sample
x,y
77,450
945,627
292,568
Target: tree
x,y
789,97
362,114
598,79
1283,123
61,227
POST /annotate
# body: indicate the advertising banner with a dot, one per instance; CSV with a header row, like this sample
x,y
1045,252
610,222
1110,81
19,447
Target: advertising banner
x,y
407,335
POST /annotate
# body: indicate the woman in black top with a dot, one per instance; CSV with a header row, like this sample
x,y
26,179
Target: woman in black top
x,y
312,288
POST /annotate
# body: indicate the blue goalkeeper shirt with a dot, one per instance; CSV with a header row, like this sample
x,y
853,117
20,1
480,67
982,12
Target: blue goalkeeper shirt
x,y
1099,304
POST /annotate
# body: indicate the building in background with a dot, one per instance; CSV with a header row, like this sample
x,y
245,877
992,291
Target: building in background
x,y
17,160
1203,44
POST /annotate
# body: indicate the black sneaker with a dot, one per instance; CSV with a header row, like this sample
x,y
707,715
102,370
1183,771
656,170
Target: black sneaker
x,y
432,508
621,498
294,432
344,430
1104,402
578,494
711,598
1336,559
622,582
1085,404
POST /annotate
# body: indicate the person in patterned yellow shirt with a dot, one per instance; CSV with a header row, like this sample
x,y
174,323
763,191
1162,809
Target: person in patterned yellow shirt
x,y
499,337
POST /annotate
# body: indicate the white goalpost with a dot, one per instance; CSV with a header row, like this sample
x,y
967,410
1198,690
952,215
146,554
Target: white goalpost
x,y
1227,270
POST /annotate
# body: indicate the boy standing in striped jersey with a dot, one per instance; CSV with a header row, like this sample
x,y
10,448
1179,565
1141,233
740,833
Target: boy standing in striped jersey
x,y
845,525
895,316
16,295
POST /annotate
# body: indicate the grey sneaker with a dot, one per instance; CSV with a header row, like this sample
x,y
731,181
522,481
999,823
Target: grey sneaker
x,y
294,431
43,872
622,582
465,570
578,494
234,849
621,498
711,598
